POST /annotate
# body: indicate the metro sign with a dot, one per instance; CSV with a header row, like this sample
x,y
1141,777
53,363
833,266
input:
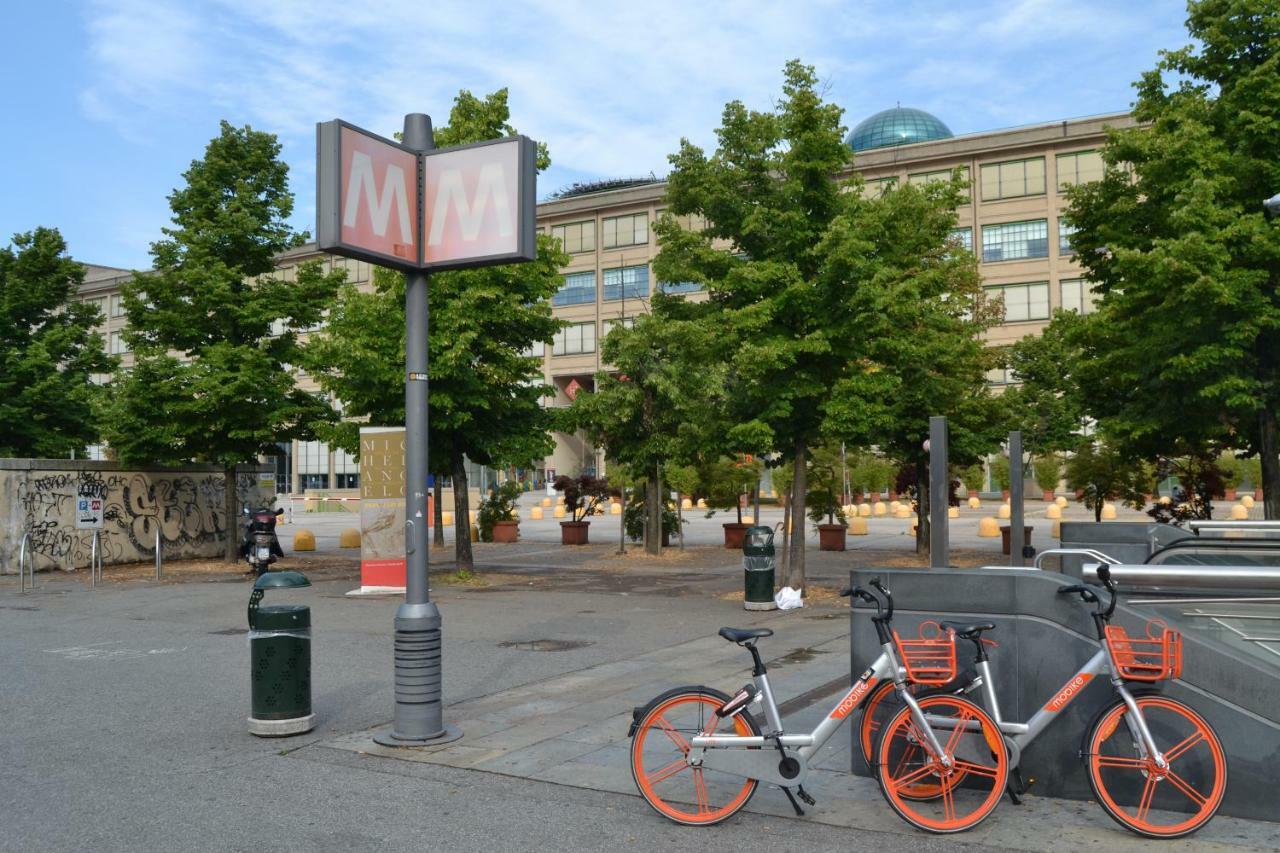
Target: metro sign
x,y
379,201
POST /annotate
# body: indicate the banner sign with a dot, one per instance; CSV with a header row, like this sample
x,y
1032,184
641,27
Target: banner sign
x,y
449,208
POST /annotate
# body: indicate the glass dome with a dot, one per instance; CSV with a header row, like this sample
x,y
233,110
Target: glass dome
x,y
898,126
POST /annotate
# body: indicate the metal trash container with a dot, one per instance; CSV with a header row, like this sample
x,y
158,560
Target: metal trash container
x,y
758,565
279,660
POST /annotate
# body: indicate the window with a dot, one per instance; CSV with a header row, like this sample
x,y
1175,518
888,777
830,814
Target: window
x,y
1013,179
607,326
877,187
1014,241
630,230
963,236
1064,238
626,282
576,236
313,465
1022,302
1078,295
118,344
1001,376
1079,167
575,339
922,178
578,287
346,470
688,222
679,287
101,305
117,305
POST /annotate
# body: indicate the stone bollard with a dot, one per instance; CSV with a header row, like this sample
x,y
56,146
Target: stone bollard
x,y
349,538
858,526
1061,501
1239,512
304,540
1005,511
974,502
864,510
1053,511
1108,512
535,513
880,508
989,528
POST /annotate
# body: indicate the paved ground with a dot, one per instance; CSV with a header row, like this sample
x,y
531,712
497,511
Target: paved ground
x,y
124,710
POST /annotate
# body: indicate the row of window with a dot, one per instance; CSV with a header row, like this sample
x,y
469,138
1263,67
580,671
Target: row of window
x,y
1030,300
1011,178
579,338
1017,241
632,282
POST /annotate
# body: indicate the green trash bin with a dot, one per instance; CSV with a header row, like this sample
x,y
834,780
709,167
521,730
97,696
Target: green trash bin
x,y
279,660
758,565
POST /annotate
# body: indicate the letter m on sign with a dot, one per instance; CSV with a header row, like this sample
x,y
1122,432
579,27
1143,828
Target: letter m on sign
x,y
367,196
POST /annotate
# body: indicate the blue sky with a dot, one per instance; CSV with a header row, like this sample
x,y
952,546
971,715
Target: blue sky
x,y
106,103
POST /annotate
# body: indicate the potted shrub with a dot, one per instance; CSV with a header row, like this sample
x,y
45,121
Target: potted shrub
x,y
823,500
1000,475
972,477
1229,470
1250,471
633,518
582,495
727,481
1048,473
495,516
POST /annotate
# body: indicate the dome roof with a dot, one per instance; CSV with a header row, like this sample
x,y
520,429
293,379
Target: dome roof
x,y
898,126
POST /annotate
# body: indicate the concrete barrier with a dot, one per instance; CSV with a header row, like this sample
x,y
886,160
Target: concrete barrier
x,y
349,538
304,540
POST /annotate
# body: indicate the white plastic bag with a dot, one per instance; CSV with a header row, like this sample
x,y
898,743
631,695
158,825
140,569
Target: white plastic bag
x,y
788,599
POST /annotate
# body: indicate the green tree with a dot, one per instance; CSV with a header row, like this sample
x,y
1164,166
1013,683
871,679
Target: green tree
x,y
49,350
1104,474
213,333
1048,405
485,390
1185,344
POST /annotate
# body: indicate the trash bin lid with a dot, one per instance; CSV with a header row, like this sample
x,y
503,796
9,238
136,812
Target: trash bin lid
x,y
279,580
282,616
758,541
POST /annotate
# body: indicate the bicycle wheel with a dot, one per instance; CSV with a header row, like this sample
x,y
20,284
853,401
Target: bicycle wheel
x,y
1148,800
972,746
881,705
694,796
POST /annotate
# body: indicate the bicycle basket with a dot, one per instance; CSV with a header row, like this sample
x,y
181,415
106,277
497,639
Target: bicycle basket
x,y
1154,658
928,660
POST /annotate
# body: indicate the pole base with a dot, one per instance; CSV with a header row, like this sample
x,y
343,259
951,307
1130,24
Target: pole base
x,y
282,728
448,735
759,605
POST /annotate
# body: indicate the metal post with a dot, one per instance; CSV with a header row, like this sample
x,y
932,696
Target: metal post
x,y
25,558
1017,532
419,710
95,559
160,554
939,491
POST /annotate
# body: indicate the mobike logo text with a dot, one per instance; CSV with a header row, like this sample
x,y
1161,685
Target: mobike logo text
x,y
1068,692
853,697
379,203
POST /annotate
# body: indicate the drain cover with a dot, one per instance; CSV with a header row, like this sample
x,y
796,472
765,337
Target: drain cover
x,y
545,645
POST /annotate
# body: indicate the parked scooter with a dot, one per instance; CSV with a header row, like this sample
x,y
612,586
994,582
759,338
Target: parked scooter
x,y
260,545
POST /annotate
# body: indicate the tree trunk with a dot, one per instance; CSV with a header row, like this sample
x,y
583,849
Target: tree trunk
x,y
233,514
799,490
653,513
786,532
922,509
1269,453
462,558
622,521
438,512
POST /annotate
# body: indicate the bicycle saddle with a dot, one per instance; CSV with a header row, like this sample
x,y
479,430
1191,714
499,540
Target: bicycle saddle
x,y
741,635
967,632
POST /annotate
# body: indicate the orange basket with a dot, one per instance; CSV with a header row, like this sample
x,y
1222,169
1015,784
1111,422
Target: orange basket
x,y
1155,658
928,660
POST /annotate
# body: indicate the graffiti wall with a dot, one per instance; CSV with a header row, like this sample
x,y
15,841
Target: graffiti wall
x,y
185,506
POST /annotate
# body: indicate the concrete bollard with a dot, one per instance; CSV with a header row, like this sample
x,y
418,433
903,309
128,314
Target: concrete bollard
x,y
864,510
686,503
559,511
1053,511
1108,512
304,540
1239,512
1005,511
546,501
1061,501
858,526
902,512
535,513
988,527
349,538
475,533
615,509
880,508
1056,532
974,502
446,518
894,505
702,503
953,512
1246,501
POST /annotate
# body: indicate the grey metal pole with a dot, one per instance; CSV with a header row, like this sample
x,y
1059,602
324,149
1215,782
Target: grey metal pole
x,y
1016,531
939,538
419,711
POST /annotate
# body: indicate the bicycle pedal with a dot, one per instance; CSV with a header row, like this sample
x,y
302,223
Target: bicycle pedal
x,y
794,804
804,795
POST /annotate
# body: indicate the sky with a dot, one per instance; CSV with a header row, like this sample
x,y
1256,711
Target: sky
x,y
107,103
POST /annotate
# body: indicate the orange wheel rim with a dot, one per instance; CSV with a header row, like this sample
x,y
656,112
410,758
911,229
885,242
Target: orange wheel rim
x,y
870,726
908,765
675,789
1173,800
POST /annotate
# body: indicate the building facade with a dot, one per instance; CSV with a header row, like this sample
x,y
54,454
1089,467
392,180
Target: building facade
x,y
1012,223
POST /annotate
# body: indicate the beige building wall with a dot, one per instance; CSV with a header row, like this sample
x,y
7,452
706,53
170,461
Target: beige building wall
x,y
1017,177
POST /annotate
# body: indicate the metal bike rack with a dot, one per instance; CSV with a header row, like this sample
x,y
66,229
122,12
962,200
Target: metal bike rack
x,y
1196,525
95,559
1192,576
26,558
1078,552
159,556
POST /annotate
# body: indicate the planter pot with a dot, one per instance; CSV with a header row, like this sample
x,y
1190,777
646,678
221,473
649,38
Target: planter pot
x,y
893,496
1004,493
831,537
1048,495
574,532
1004,537
506,531
1079,494
1257,494
1230,494
734,534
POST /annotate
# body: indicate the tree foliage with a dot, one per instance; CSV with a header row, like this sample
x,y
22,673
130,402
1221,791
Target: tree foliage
x,y
1185,344
1104,474
213,332
49,350
485,393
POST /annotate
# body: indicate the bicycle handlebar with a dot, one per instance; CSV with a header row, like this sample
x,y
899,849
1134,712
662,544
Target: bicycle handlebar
x,y
884,606
1094,595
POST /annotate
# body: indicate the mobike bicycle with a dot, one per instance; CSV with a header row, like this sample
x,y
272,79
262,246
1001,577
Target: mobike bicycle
x,y
698,755
1154,764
